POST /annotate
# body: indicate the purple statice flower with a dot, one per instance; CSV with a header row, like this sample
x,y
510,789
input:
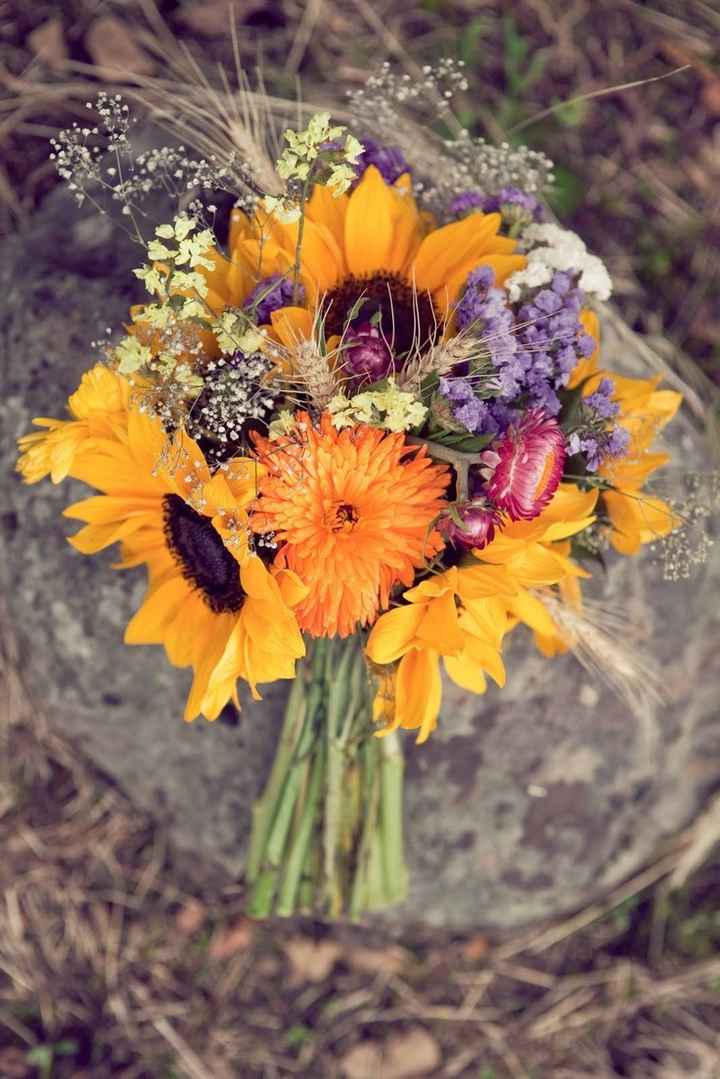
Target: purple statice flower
x,y
472,306
590,448
270,294
478,417
618,442
516,206
388,160
484,309
550,341
596,439
465,203
601,401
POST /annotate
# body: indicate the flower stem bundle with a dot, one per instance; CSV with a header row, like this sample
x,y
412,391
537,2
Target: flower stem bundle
x,y
327,829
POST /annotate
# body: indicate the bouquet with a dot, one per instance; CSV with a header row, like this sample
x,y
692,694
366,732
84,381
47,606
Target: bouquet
x,y
358,431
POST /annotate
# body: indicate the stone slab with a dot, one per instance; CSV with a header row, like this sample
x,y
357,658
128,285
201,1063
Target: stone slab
x,y
527,802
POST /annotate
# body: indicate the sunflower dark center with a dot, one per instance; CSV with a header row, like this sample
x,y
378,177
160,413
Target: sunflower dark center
x,y
202,556
407,317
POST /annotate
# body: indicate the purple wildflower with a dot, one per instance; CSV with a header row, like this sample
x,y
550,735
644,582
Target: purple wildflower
x,y
466,203
516,206
478,417
601,401
595,438
388,160
270,294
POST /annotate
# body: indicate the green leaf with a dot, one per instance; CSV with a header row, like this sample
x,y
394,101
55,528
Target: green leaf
x,y
571,113
67,1047
298,1034
571,402
41,1057
355,309
459,440
567,192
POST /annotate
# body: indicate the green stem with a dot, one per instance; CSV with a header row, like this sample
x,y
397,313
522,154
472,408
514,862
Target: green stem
x,y
296,858
298,246
392,768
371,791
337,707
264,808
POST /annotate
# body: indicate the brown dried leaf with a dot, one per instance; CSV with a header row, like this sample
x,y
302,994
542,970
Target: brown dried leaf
x,y
114,49
363,1061
235,938
710,96
47,42
378,960
412,1053
211,18
189,919
311,960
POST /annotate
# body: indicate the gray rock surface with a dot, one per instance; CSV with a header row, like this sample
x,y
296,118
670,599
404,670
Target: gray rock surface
x,y
526,802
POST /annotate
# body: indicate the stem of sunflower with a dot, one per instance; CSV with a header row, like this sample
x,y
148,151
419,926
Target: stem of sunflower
x,y
327,831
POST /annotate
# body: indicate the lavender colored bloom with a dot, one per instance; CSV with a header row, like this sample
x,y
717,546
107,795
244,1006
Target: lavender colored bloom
x,y
601,401
549,341
473,305
465,203
595,439
543,396
270,294
516,206
478,417
471,414
388,160
456,390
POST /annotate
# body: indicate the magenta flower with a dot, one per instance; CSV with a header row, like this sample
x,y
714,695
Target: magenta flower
x,y
532,455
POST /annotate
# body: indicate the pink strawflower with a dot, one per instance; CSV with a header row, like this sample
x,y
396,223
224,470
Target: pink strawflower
x,y
532,455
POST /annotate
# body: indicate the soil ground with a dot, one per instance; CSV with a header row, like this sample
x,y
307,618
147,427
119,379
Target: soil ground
x,y
114,960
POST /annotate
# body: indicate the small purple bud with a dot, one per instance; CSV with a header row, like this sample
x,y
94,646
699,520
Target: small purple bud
x,y
478,527
367,354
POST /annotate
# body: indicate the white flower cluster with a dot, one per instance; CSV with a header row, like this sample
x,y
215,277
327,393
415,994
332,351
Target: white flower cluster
x,y
551,248
392,408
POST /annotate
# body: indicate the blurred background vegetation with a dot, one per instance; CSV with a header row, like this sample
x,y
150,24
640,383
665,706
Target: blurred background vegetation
x,y
121,963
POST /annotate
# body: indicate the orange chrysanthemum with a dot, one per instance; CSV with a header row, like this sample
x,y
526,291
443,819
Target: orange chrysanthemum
x,y
352,512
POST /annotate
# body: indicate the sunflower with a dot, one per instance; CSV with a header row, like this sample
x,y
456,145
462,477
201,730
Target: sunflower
x,y
371,250
635,518
352,512
98,406
463,614
210,601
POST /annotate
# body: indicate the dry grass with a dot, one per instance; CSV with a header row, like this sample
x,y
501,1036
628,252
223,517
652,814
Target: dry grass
x,y
104,941
105,945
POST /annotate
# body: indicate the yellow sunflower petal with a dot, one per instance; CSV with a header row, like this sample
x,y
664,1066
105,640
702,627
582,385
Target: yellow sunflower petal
x,y
448,248
157,610
369,225
393,633
419,692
